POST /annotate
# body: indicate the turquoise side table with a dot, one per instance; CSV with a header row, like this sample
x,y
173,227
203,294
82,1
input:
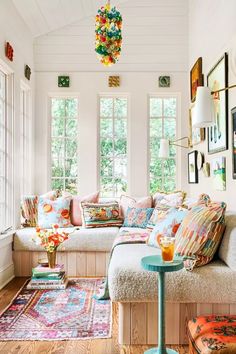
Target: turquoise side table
x,y
155,264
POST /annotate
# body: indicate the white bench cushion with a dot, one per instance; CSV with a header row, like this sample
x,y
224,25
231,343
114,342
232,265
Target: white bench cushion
x,y
97,239
213,283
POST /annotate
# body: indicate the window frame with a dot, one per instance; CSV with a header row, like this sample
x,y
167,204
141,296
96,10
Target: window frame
x,y
113,96
163,95
57,95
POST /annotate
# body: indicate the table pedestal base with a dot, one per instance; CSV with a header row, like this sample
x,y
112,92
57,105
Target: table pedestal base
x,y
160,351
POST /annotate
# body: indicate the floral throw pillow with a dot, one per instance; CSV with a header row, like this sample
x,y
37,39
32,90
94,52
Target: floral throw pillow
x,y
137,217
54,212
158,214
100,214
173,199
167,225
126,202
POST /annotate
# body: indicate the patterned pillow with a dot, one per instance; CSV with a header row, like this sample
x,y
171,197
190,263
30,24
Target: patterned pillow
x,y
173,199
137,217
100,214
126,201
200,233
76,218
54,212
158,214
29,210
167,226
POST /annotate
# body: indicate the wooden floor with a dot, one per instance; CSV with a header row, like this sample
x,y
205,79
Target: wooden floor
x,y
101,346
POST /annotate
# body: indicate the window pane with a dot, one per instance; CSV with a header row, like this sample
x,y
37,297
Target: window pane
x,y
107,187
120,107
120,147
155,169
120,186
71,168
172,151
169,128
57,184
57,168
169,168
57,149
71,106
120,167
106,167
71,148
120,128
156,128
71,127
58,127
71,185
58,107
106,107
155,107
169,107
106,147
154,148
106,127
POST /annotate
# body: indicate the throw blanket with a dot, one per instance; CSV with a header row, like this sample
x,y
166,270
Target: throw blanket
x,y
124,237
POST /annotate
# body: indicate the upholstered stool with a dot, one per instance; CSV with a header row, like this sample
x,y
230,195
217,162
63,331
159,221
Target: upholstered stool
x,y
212,335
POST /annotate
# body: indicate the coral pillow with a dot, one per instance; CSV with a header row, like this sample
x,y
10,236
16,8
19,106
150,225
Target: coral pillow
x,y
174,199
101,214
76,218
200,233
137,217
54,212
167,225
126,202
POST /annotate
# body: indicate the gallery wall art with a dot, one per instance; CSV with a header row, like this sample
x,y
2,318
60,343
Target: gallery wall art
x,y
219,173
216,80
233,112
196,78
192,167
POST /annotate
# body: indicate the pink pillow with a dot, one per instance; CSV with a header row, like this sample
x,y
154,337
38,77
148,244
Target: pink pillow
x,y
76,218
126,202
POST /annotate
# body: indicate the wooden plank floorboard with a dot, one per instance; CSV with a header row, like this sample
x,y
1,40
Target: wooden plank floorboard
x,y
96,346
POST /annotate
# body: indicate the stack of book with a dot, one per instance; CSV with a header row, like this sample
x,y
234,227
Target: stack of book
x,y
44,277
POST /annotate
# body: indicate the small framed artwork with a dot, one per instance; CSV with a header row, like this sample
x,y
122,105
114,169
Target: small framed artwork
x,y
219,173
164,81
63,81
218,133
196,78
197,135
192,167
233,112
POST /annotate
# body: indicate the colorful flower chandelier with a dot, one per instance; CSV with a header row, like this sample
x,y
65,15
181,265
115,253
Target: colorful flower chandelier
x,y
108,34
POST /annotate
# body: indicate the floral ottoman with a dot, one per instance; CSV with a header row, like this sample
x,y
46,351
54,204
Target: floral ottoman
x,y
212,335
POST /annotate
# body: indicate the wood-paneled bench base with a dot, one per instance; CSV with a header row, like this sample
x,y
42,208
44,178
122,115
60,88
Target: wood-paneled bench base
x,y
78,264
138,320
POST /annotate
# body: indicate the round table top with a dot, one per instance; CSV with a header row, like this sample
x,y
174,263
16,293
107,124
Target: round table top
x,y
156,264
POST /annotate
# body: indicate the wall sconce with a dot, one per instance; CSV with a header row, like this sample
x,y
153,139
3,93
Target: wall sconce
x,y
203,115
164,151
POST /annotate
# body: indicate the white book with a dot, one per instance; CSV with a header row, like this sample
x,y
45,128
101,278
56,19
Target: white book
x,y
32,286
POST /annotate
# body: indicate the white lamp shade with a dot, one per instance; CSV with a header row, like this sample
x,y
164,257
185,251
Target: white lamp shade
x,y
203,113
164,151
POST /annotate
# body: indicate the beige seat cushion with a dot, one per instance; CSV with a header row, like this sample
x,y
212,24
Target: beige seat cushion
x,y
213,283
100,239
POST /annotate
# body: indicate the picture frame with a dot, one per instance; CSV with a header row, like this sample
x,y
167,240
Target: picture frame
x,y
196,135
196,78
219,173
217,79
233,114
192,167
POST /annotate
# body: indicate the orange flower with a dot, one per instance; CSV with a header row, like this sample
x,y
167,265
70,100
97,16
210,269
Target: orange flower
x,y
65,214
47,208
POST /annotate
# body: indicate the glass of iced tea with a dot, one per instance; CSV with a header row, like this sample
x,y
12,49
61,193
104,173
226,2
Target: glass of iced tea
x,y
167,245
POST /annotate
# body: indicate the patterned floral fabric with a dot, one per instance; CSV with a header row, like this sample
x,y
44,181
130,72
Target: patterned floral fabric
x,y
100,214
126,201
29,210
173,199
158,214
54,212
167,225
200,233
76,218
137,217
213,334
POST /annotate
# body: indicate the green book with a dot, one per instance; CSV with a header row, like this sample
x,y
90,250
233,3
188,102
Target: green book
x,y
47,276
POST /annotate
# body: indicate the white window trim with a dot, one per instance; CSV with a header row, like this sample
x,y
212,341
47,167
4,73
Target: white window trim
x,y
64,95
114,95
176,95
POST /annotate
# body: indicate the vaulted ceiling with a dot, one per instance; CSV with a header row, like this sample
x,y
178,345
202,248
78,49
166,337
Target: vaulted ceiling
x,y
44,16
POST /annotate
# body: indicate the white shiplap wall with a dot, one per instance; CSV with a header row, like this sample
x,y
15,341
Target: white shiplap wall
x,y
155,38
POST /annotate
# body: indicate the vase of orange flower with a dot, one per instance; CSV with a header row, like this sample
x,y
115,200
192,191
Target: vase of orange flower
x,y
50,240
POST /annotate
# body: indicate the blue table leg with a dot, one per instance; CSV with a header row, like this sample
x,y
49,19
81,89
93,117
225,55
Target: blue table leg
x,y
161,320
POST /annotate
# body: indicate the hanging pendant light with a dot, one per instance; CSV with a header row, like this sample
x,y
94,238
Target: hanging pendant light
x,y
108,34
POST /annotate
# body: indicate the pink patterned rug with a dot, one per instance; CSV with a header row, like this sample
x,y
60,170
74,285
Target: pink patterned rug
x,y
58,314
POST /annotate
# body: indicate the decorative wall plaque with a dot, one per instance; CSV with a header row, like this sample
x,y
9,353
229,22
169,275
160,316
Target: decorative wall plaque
x,y
63,81
27,72
9,51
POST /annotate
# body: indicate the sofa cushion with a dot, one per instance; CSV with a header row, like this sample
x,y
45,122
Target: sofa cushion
x,y
227,250
126,201
129,282
54,212
100,214
76,201
137,217
80,240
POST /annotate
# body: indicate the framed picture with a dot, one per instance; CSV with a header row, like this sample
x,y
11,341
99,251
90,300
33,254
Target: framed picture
x,y
218,133
196,135
196,78
233,113
219,173
192,167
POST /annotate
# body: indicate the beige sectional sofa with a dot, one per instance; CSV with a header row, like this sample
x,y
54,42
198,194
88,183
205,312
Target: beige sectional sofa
x,y
208,289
